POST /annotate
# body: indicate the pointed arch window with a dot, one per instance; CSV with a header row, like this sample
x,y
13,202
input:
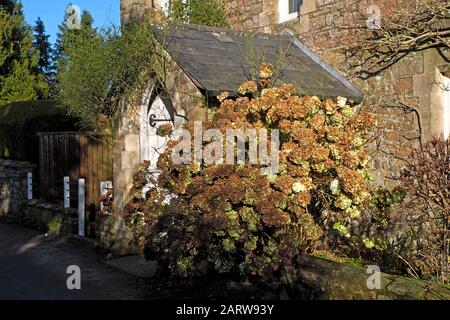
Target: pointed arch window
x,y
288,10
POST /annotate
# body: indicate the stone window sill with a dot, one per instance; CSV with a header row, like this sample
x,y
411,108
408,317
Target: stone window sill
x,y
290,18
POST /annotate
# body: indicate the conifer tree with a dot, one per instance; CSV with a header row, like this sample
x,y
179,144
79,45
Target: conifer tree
x,y
41,43
18,58
69,39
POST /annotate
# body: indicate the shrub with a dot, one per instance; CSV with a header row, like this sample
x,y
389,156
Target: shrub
x,y
100,68
230,218
427,181
377,237
201,12
413,239
143,210
20,122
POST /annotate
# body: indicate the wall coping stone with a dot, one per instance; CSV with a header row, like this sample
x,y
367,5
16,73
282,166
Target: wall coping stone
x,y
17,165
48,206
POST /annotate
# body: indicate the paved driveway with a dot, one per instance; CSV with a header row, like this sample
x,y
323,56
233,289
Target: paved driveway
x,y
33,266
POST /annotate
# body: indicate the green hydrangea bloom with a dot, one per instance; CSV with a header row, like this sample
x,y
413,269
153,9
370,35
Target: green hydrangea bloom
x,y
343,202
343,230
368,243
347,112
228,245
353,212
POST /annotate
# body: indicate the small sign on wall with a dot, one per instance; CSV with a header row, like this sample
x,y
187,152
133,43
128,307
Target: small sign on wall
x,y
104,186
66,192
29,185
81,206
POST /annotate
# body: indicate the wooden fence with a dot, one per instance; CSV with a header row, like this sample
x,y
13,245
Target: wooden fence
x,y
74,155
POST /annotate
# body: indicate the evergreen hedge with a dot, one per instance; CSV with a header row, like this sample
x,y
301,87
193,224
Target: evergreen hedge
x,y
20,122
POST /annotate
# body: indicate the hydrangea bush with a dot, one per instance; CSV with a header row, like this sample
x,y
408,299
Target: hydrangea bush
x,y
231,219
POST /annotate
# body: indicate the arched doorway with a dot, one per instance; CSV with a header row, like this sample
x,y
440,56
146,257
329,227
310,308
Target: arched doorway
x,y
160,113
156,110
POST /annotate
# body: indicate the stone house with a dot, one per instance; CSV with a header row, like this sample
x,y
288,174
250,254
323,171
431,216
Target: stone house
x,y
205,61
419,80
201,63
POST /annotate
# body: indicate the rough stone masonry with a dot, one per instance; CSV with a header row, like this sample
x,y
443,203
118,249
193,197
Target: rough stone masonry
x,y
414,80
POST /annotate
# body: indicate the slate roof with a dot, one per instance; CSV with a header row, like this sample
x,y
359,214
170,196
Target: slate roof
x,y
219,60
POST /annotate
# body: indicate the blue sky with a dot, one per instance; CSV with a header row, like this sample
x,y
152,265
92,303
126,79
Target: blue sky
x,y
104,12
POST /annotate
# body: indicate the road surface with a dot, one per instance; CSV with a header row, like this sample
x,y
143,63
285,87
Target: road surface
x,y
33,266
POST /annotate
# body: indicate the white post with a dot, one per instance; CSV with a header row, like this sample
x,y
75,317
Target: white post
x,y
104,186
81,204
29,185
66,192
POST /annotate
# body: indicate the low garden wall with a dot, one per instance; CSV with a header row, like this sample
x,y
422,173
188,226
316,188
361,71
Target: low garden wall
x,y
15,207
47,217
13,186
328,280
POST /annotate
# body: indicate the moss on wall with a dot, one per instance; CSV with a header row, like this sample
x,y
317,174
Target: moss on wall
x,y
327,280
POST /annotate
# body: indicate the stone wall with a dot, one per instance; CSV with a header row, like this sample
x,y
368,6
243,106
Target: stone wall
x,y
113,235
13,185
16,208
413,80
321,279
126,154
47,217
130,9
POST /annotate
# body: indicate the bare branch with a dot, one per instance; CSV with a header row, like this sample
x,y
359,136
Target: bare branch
x,y
420,25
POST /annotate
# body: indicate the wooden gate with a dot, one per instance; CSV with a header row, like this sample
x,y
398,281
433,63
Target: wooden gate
x,y
76,155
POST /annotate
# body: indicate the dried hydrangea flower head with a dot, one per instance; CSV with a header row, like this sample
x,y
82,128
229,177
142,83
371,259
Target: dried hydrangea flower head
x,y
266,70
223,96
248,88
